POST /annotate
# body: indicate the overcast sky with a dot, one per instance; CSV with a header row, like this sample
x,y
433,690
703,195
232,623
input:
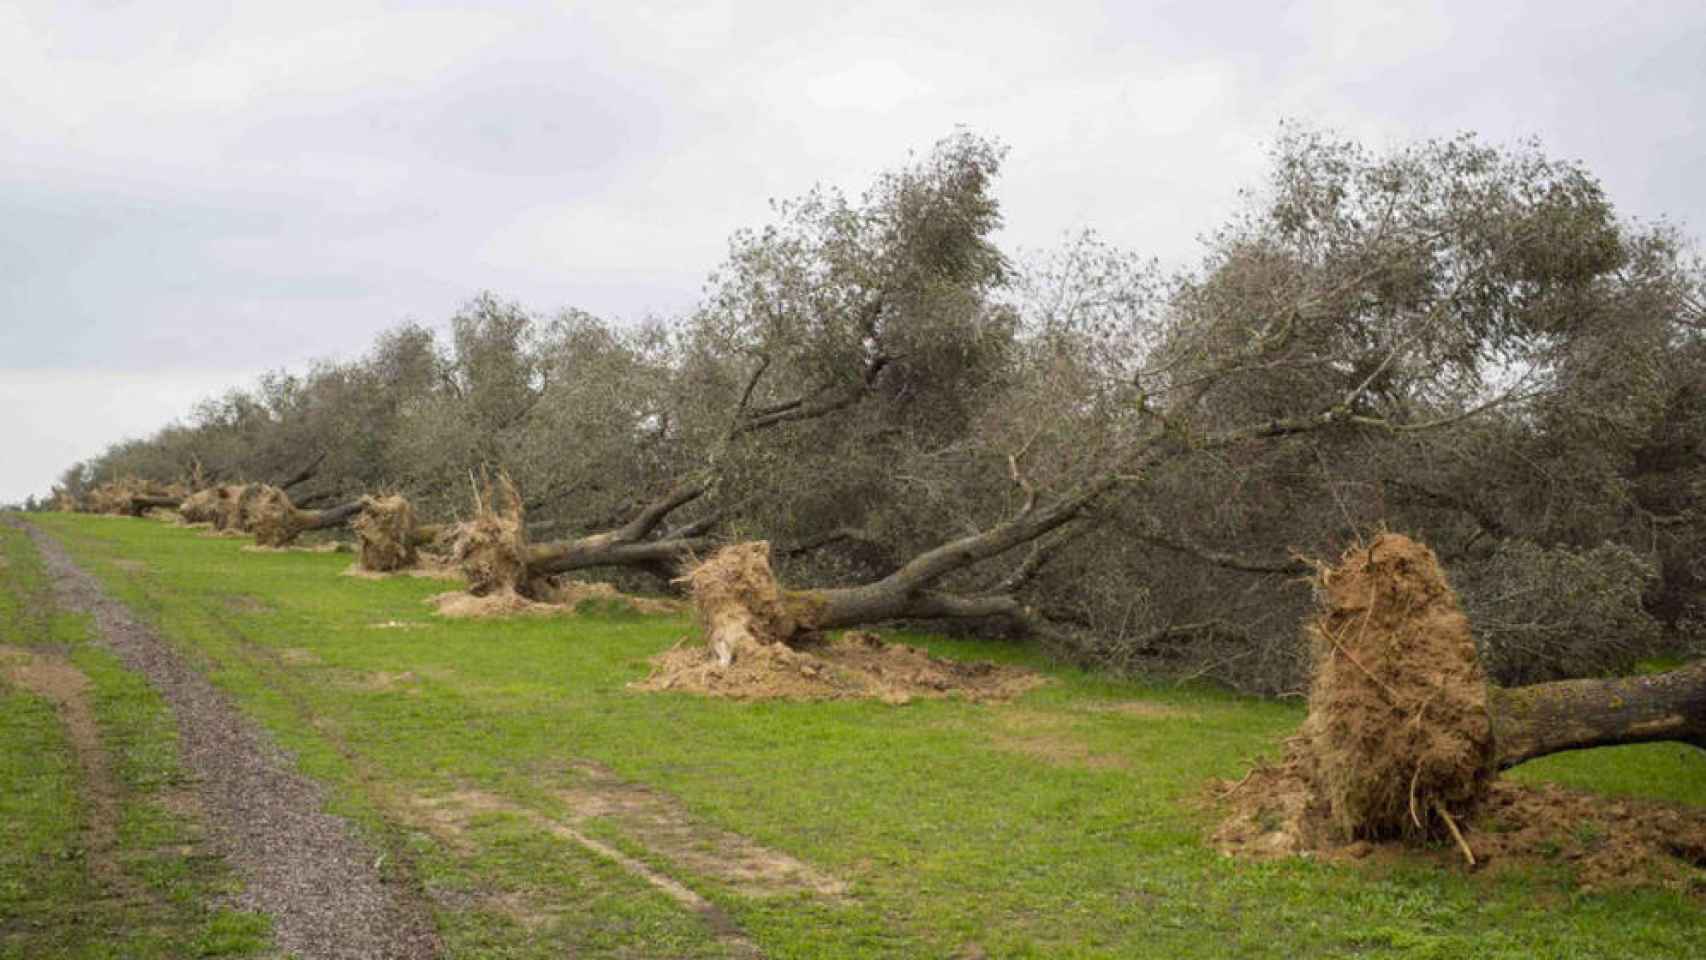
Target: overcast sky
x,y
192,193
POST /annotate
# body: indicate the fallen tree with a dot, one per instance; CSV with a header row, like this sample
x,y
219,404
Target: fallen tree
x,y
218,505
1405,738
495,554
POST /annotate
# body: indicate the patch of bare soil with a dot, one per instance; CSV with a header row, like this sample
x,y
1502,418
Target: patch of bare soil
x,y
1145,709
448,817
659,822
130,566
1049,738
298,657
554,598
378,681
244,603
1609,843
54,679
856,665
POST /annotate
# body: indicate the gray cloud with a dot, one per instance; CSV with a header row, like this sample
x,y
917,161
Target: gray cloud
x,y
248,186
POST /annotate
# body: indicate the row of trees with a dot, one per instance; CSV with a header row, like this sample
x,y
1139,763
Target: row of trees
x,y
1459,340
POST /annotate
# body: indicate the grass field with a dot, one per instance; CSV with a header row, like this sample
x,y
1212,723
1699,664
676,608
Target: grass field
x,y
1069,823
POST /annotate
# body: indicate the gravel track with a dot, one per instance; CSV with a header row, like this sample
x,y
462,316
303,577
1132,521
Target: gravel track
x,y
304,867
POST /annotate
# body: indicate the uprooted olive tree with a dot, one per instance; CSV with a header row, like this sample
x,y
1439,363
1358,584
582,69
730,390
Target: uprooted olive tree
x,y
1405,736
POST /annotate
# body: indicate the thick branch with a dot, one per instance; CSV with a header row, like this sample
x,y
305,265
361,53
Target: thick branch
x,y
654,513
1222,558
821,404
303,475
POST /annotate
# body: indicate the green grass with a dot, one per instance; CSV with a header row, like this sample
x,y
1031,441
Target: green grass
x,y
164,898
1051,827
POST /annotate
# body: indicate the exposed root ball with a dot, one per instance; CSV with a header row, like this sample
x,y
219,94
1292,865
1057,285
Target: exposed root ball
x,y
491,549
1398,739
219,506
117,497
386,530
112,497
740,604
271,516
201,506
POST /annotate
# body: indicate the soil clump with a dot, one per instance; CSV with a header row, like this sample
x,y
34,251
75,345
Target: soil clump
x,y
853,666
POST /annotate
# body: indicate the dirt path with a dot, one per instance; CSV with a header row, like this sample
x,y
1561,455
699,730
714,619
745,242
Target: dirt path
x,y
305,868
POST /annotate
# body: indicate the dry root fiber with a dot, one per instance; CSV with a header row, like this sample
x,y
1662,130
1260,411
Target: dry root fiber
x,y
115,497
740,605
856,665
491,548
112,498
1398,744
548,597
270,515
1398,738
219,506
427,567
385,530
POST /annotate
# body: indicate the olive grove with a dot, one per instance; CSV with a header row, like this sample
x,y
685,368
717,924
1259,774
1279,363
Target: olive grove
x,y
1136,465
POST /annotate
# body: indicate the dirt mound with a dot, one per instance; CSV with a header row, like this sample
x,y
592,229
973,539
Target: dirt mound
x,y
385,529
329,546
427,567
1607,842
854,666
1398,741
550,597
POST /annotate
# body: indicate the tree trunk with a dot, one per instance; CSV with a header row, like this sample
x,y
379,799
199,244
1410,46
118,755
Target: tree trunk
x,y
1548,718
303,475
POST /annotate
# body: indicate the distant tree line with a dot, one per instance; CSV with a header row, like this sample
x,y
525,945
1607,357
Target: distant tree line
x,y
1458,340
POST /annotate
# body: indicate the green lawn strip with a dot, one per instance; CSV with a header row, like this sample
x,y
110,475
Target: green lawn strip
x,y
254,647
167,900
1070,823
